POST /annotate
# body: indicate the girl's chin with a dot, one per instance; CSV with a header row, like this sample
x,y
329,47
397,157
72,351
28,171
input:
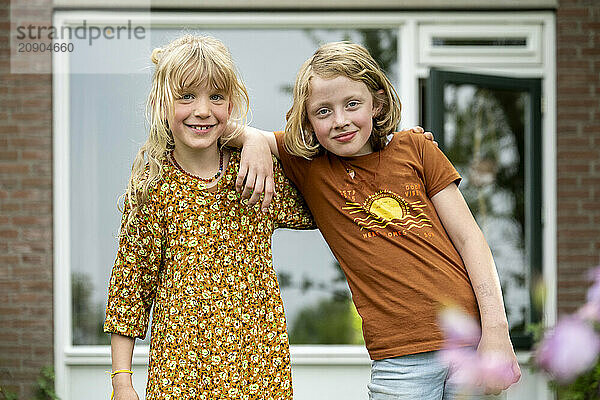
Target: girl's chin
x,y
348,151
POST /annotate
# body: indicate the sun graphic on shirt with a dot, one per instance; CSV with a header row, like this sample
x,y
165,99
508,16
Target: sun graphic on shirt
x,y
387,208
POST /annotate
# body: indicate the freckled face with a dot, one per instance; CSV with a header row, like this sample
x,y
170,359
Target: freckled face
x,y
200,118
341,111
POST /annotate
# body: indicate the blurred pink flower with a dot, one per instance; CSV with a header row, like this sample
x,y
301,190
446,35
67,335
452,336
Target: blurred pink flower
x,y
569,349
593,294
496,368
591,310
470,370
459,328
464,367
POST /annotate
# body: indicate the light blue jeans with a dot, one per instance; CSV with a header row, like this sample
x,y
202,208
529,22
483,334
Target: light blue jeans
x,y
413,377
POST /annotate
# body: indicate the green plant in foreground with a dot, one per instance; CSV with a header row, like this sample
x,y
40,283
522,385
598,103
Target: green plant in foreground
x,y
45,385
7,394
585,387
43,390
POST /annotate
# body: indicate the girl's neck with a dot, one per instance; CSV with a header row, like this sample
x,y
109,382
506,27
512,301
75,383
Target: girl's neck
x,y
200,162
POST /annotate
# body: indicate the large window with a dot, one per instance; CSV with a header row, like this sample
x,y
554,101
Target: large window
x,y
107,127
99,95
488,131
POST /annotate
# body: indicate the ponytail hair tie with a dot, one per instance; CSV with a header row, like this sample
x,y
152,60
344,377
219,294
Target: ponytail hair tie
x,y
157,55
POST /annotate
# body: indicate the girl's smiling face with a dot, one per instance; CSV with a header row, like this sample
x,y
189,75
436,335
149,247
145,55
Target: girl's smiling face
x,y
199,118
341,113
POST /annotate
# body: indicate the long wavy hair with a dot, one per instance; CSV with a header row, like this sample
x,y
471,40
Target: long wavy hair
x,y
186,62
330,61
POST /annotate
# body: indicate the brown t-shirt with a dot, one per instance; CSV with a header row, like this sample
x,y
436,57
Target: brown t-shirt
x,y
376,214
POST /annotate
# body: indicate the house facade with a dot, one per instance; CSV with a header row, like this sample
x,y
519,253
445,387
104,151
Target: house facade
x,y
510,88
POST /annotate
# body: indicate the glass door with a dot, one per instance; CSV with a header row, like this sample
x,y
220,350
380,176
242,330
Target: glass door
x,y
490,129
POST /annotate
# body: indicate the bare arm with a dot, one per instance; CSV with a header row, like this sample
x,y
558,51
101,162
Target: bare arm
x,y
475,252
254,135
256,166
121,348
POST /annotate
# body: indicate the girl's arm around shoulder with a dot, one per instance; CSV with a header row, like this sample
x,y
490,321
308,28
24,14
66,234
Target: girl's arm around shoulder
x,y
477,257
419,130
268,137
255,175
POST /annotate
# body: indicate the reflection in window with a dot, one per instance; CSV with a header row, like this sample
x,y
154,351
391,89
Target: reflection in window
x,y
86,312
316,298
498,41
329,316
484,137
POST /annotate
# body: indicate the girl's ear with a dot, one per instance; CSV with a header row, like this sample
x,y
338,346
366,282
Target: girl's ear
x,y
230,108
377,103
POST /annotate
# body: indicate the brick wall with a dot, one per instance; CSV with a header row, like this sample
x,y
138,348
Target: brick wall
x,y
26,341
578,136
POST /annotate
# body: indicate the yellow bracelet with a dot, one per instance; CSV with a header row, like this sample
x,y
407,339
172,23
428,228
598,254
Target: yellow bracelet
x,y
112,374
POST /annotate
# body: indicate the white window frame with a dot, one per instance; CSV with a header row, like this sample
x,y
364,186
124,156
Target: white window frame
x,y
447,55
412,66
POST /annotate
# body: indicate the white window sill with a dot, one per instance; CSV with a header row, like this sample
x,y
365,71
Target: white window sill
x,y
301,355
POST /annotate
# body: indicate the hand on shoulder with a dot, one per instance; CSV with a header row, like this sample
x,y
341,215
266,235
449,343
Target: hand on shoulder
x,y
255,175
420,131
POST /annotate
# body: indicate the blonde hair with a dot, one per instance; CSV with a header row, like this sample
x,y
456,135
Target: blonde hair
x,y
330,61
185,62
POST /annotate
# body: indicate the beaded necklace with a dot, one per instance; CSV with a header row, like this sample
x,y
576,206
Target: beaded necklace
x,y
204,180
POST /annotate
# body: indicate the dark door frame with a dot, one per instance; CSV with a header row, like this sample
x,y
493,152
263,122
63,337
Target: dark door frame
x,y
533,162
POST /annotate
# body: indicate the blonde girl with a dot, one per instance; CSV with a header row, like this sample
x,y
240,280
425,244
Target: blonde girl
x,y
191,251
389,207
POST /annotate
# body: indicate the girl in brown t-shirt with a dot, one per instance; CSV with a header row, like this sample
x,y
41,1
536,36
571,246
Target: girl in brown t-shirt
x,y
389,207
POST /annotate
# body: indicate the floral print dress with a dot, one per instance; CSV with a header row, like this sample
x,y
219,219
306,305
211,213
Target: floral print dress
x,y
202,259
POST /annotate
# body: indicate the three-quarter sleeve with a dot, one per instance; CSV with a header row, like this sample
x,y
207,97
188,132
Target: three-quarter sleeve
x,y
290,208
135,272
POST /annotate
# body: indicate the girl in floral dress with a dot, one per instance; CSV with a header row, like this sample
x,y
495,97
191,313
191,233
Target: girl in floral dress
x,y
191,250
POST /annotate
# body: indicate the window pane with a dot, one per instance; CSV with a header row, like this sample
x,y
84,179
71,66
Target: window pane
x,y
107,128
484,136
